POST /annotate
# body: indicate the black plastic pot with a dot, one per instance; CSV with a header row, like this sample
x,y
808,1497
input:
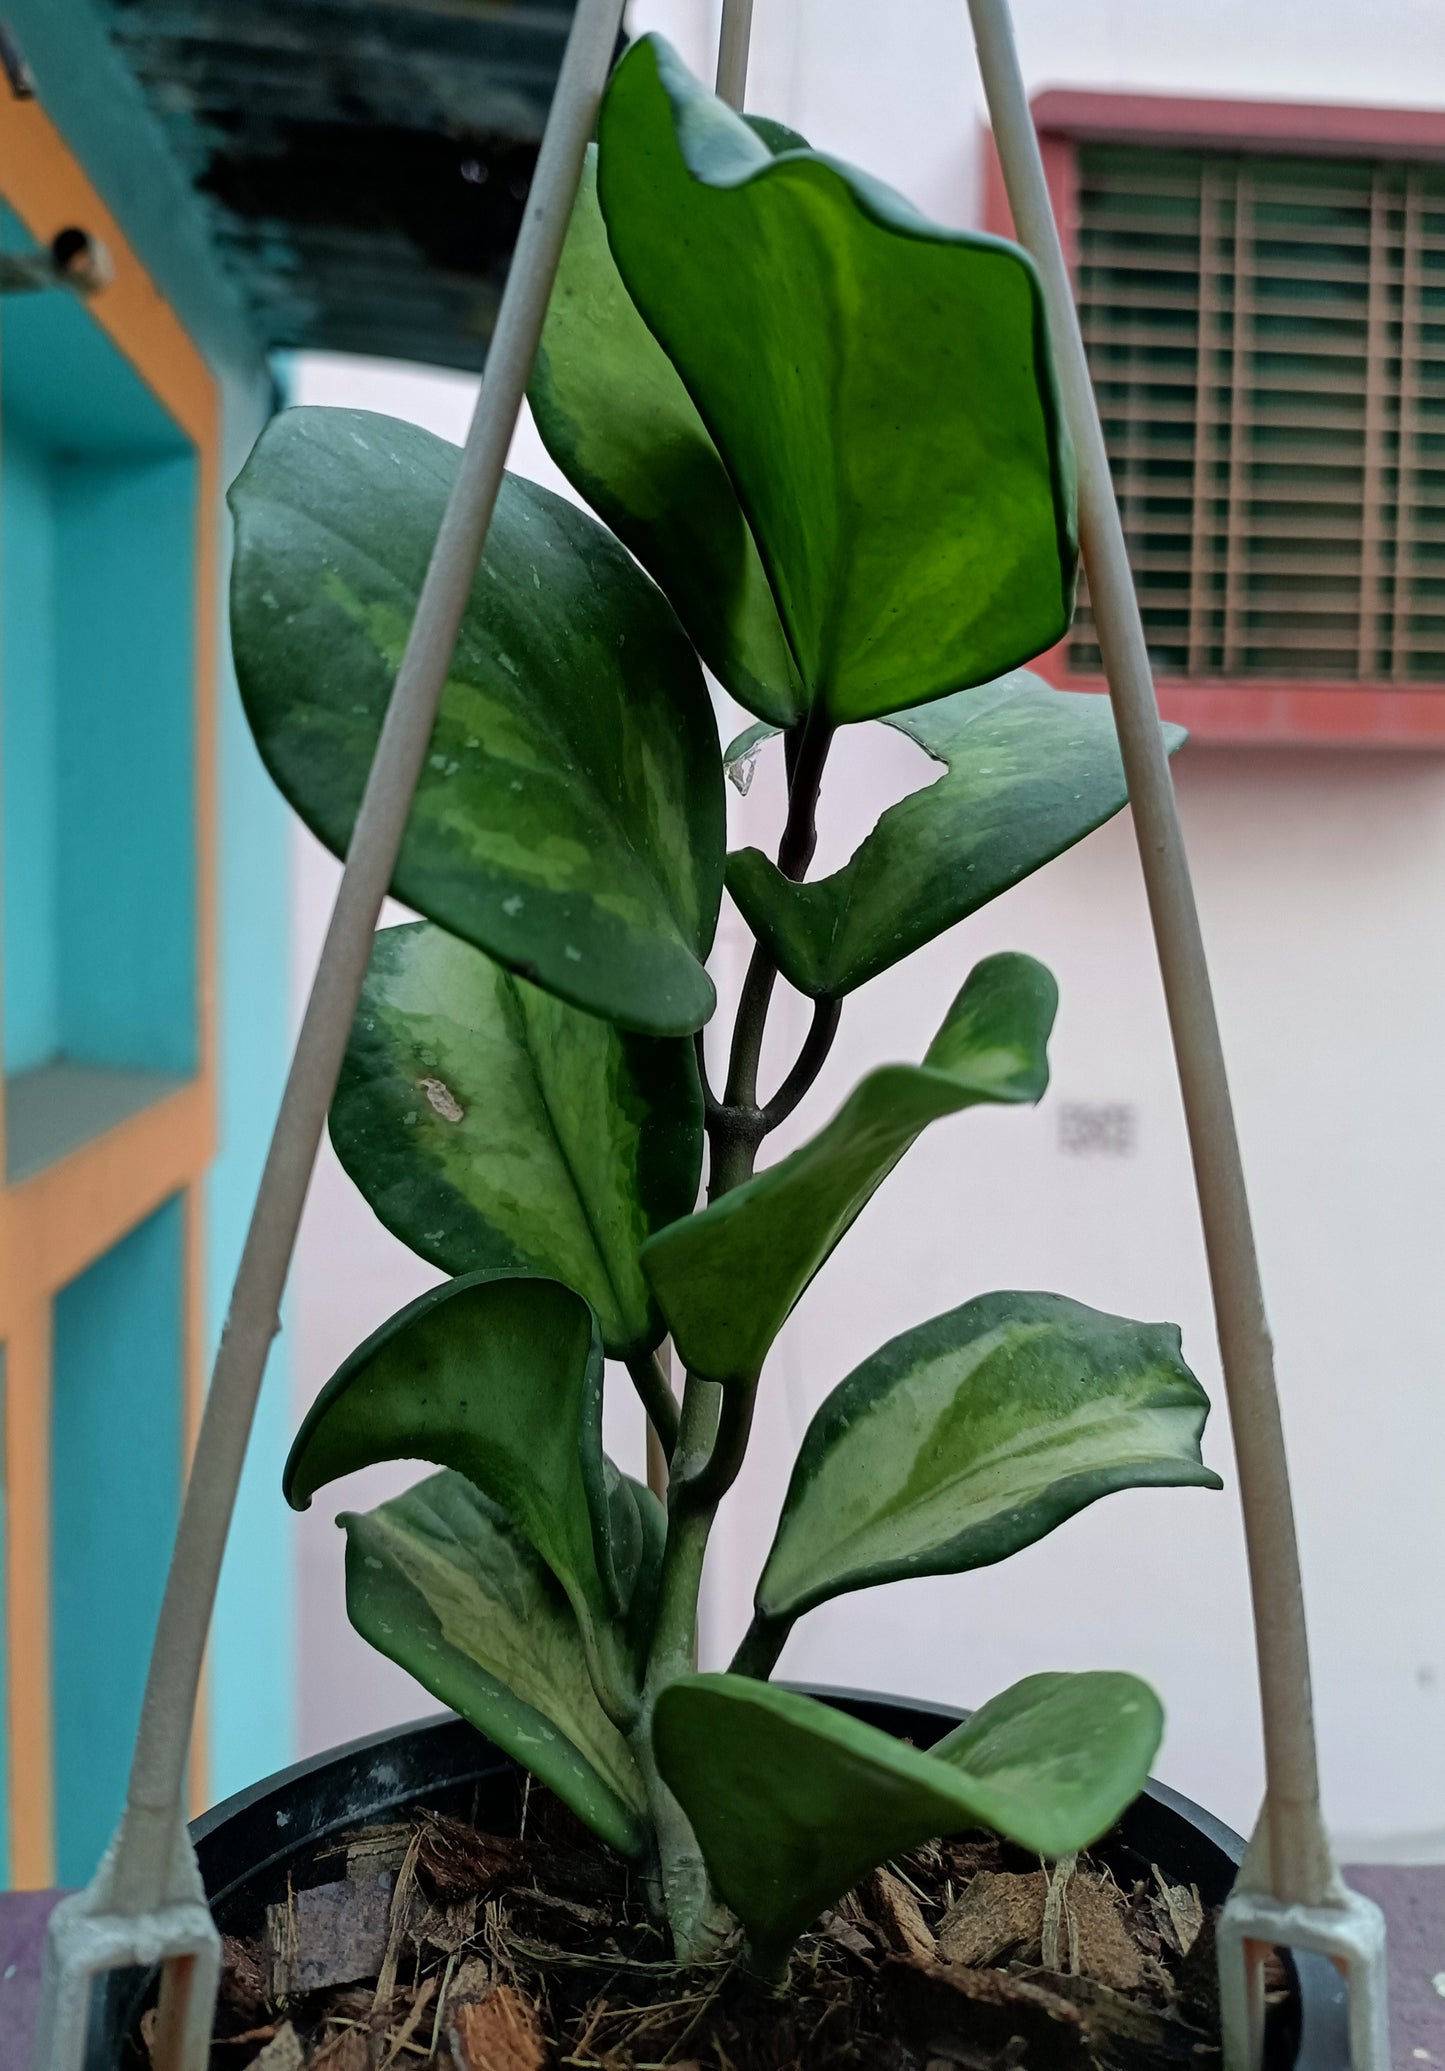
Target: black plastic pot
x,y
249,1846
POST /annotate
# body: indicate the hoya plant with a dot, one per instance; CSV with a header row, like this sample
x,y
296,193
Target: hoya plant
x,y
822,445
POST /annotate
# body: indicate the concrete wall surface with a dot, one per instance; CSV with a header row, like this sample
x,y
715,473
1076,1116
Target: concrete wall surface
x,y
1321,878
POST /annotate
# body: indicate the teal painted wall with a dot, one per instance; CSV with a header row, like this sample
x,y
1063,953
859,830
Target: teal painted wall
x,y
97,670
95,103
116,1474
126,804
28,765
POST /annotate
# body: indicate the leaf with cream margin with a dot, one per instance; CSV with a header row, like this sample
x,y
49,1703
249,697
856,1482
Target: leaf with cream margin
x,y
439,1581
792,1802
727,1279
971,1437
489,1124
499,1377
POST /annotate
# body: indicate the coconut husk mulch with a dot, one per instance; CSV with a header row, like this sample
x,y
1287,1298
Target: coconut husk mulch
x,y
428,1946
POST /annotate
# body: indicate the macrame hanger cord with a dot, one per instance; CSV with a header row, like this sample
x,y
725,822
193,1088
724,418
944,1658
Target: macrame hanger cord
x,y
1300,1866
145,1903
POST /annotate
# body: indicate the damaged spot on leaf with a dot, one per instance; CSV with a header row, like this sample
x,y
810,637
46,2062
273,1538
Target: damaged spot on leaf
x,y
442,1099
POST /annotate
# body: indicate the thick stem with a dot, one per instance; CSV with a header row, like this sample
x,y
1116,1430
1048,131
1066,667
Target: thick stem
x,y
712,1435
658,1400
762,1643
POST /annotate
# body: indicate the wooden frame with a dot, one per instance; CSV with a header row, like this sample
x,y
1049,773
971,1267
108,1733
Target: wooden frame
x,y
60,1220
1296,712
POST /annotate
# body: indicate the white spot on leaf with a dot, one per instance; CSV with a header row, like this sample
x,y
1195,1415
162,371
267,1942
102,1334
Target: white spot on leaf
x,y
442,1099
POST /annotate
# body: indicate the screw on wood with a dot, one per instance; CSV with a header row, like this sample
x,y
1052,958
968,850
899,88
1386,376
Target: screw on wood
x,y
146,1904
1289,1881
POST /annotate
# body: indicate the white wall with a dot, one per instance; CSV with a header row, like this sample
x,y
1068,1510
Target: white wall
x,y
1322,883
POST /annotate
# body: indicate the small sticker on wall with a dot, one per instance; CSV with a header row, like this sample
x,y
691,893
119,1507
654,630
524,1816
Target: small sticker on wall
x,y
1098,1128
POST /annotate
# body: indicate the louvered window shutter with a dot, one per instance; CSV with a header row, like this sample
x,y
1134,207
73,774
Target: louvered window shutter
x,y
1267,336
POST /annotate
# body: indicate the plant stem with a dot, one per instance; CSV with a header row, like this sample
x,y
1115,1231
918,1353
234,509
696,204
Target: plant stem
x,y
811,1057
658,1399
713,1427
761,1645
795,853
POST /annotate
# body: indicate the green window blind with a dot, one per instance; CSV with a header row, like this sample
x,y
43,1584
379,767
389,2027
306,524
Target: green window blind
x,y
1267,338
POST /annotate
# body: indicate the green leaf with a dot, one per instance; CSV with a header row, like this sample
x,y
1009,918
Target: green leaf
x,y
498,1376
880,390
439,1582
1030,772
793,1802
976,1434
726,1279
615,417
489,1124
569,818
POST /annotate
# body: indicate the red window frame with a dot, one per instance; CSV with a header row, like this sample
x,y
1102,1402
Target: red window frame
x,y
1257,710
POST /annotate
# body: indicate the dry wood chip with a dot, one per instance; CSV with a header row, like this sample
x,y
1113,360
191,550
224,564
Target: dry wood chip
x,y
375,1849
1126,2034
847,1936
400,2036
569,1908
498,2033
447,1929
473,1980
407,1904
349,2049
1058,1928
460,1863
243,1993
1177,1912
970,2016
282,2053
1000,1914
1101,1946
898,1913
330,1935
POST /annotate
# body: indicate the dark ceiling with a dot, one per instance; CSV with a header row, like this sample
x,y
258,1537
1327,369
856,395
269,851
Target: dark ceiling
x,y
363,162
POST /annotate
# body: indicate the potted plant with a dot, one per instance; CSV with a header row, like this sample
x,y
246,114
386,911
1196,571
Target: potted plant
x,y
823,446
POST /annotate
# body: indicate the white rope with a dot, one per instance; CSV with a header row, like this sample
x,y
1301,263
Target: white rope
x,y
158,1766
1299,1852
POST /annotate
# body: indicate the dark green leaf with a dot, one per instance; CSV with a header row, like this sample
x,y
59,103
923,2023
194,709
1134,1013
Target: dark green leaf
x,y
727,1279
499,1376
489,1124
439,1582
1030,772
974,1435
880,391
569,818
617,420
793,1802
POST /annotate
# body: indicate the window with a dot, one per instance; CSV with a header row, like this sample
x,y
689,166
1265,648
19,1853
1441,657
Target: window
x,y
1267,339
1262,294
